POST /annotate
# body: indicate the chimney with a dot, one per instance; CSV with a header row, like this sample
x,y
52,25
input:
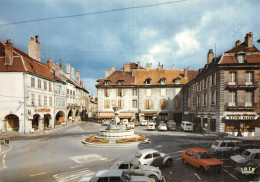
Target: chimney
x,y
77,76
72,75
160,67
249,40
57,69
49,64
237,43
81,83
127,67
210,56
60,65
68,68
186,73
8,52
34,49
138,64
172,67
147,67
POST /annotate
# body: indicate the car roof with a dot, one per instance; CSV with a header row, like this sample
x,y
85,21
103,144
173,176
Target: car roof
x,y
145,151
253,150
197,150
228,140
186,122
108,173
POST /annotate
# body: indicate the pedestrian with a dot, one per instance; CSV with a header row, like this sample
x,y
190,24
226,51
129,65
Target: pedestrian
x,y
239,134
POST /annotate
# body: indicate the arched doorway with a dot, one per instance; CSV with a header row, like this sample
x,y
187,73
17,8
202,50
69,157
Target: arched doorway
x,y
35,121
12,122
60,118
70,115
47,118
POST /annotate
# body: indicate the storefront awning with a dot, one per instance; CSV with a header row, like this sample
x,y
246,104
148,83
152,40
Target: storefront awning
x,y
104,115
125,115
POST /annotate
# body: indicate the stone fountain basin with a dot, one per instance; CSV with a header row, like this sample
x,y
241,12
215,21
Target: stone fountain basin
x,y
116,133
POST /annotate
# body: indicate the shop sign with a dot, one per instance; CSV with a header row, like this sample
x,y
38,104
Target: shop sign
x,y
247,170
248,117
42,110
241,117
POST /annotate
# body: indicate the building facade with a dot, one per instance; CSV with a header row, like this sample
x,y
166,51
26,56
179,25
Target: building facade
x,y
225,95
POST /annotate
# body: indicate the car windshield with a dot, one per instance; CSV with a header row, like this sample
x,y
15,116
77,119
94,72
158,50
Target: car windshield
x,y
204,155
235,148
187,124
138,155
215,143
246,153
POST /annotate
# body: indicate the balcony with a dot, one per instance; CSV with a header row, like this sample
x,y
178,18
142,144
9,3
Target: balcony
x,y
241,85
240,108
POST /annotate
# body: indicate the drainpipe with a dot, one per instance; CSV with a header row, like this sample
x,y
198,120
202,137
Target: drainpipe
x,y
24,101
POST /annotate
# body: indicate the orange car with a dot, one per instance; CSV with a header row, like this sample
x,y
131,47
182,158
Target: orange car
x,y
202,159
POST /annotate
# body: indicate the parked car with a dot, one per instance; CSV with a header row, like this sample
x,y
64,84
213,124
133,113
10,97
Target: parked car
x,y
134,168
238,149
162,127
106,123
186,126
247,155
171,125
143,122
153,157
201,159
250,168
223,145
151,126
114,176
130,125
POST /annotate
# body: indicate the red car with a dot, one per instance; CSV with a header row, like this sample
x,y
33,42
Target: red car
x,y
202,159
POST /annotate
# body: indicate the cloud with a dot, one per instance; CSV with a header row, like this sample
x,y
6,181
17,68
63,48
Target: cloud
x,y
89,84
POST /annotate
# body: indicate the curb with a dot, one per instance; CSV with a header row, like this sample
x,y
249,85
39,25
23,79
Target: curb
x,y
132,144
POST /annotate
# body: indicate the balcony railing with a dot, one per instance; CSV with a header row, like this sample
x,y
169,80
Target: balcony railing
x,y
240,108
241,85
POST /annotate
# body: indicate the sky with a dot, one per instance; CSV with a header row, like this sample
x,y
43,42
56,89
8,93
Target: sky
x,y
112,32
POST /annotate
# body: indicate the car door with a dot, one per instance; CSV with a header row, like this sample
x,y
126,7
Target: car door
x,y
194,160
188,157
135,170
157,159
148,159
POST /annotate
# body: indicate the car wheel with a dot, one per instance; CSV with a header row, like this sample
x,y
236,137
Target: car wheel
x,y
153,178
184,161
169,163
202,169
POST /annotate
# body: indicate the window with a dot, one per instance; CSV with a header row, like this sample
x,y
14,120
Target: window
x,y
73,93
241,57
189,153
106,104
205,83
198,100
232,99
156,154
213,79
134,92
198,86
50,101
148,104
163,91
148,92
148,81
45,85
106,92
63,102
68,91
205,100
33,82
177,103
177,81
39,100
121,103
148,156
120,92
194,88
120,82
248,99
113,103
39,83
163,103
213,97
163,81
232,78
193,102
45,100
134,103
194,155
249,77
33,99
107,82
50,86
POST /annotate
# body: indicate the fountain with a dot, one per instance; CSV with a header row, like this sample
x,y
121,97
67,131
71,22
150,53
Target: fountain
x,y
116,133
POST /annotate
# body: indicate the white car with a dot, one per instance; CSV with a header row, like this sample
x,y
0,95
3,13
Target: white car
x,y
151,126
223,145
162,127
130,125
247,155
106,123
186,126
143,123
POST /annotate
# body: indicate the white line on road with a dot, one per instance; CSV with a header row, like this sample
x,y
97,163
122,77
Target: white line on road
x,y
230,174
38,174
83,159
3,160
68,176
76,166
197,176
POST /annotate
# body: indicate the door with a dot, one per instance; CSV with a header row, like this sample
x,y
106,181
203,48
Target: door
x,y
157,159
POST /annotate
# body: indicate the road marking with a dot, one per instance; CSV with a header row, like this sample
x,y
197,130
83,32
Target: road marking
x,y
75,129
197,176
230,174
5,152
38,174
76,166
68,176
83,159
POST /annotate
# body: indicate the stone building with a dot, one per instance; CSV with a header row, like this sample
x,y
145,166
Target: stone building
x,y
143,93
225,95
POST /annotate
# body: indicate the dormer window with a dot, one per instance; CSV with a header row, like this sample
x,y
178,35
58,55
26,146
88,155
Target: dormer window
x,y
120,82
163,81
177,80
241,57
107,82
148,81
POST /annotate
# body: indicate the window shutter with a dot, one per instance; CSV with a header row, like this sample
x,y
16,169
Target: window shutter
x,y
150,104
147,104
122,103
108,92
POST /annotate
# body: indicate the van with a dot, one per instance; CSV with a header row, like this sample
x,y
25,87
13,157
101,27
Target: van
x,y
223,145
143,122
186,126
151,126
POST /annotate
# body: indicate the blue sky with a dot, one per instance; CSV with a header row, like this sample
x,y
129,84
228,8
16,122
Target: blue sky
x,y
179,33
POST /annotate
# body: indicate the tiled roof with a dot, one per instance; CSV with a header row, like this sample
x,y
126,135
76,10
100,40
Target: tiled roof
x,y
155,75
136,66
119,75
232,59
253,58
242,48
